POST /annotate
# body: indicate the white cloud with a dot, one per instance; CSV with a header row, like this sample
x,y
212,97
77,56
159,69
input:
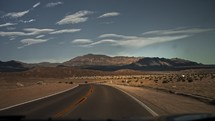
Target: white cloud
x,y
111,22
20,14
40,36
138,41
12,33
82,41
158,36
27,21
177,31
16,14
103,41
7,24
36,31
110,14
143,41
30,41
116,36
35,5
12,38
29,32
65,31
53,4
78,17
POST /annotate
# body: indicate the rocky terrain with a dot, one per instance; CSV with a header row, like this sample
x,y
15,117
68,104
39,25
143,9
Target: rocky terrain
x,y
107,63
175,75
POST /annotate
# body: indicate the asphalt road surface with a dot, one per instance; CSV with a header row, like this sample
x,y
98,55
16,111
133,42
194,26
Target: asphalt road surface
x,y
87,101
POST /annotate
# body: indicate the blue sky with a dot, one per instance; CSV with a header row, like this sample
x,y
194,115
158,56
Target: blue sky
x,y
58,30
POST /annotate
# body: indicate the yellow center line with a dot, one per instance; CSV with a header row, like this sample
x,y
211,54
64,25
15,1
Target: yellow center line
x,y
82,99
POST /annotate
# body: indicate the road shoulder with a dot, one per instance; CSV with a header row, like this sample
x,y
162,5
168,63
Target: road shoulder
x,y
166,103
17,96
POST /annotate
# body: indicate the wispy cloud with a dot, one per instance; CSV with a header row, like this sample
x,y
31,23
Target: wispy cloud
x,y
53,4
7,24
27,21
65,31
11,28
177,31
21,13
36,31
12,33
144,41
148,38
28,32
82,41
110,14
116,36
35,5
30,41
16,14
40,36
112,41
12,38
111,22
78,17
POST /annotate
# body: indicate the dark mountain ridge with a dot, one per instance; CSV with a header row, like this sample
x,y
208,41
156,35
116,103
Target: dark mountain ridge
x,y
12,66
101,60
107,63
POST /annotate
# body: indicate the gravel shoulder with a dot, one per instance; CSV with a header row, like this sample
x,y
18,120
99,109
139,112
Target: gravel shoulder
x,y
166,103
13,96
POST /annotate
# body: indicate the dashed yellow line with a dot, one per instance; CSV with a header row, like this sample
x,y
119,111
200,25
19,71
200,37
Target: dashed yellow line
x,y
82,99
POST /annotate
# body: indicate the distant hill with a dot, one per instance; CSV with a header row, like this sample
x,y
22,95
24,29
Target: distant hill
x,y
100,60
162,64
107,63
154,64
12,66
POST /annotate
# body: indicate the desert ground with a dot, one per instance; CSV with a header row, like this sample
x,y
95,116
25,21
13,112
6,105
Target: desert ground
x,y
195,87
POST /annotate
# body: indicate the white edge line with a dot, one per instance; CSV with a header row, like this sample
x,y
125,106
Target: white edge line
x,y
141,103
37,99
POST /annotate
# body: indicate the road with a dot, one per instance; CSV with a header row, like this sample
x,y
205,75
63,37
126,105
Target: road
x,y
87,101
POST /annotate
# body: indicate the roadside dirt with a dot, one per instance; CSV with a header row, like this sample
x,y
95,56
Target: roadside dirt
x,y
165,103
12,96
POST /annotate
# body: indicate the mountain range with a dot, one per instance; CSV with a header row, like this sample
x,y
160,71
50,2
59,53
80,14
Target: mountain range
x,y
107,63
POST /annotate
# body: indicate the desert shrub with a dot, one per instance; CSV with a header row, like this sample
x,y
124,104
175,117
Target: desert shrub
x,y
189,79
85,82
71,82
212,76
183,80
123,81
59,82
156,81
137,80
165,81
178,80
141,82
159,77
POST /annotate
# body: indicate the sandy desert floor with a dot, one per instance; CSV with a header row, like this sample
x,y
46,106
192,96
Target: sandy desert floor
x,y
15,95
